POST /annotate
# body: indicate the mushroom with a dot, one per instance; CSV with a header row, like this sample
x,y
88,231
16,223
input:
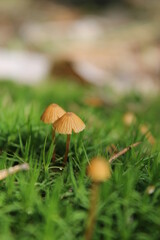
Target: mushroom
x,y
99,171
129,119
66,124
51,114
145,131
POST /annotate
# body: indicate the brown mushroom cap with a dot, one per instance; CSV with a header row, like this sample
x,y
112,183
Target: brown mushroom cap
x,y
129,118
52,113
69,122
99,169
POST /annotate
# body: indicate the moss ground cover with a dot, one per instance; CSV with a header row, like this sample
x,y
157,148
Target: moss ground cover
x,y
49,202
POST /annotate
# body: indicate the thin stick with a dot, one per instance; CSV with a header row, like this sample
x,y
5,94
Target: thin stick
x,y
10,171
123,151
67,148
92,212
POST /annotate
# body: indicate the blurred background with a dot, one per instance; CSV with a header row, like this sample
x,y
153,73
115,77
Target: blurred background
x,y
94,42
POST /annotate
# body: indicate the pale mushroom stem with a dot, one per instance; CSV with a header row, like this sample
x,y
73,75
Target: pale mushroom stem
x,y
67,148
92,212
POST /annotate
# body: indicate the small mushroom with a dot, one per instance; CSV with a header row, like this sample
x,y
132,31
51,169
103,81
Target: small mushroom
x,y
99,171
145,131
51,114
129,119
66,124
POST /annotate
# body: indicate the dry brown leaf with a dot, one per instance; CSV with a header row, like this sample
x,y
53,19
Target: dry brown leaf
x,y
94,102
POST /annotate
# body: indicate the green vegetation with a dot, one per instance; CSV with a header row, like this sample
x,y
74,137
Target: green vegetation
x,y
49,203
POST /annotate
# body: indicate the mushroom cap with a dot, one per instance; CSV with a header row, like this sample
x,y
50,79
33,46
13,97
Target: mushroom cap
x,y
144,129
52,113
129,118
69,122
99,169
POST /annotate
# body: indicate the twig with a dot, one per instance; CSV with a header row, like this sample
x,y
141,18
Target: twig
x,y
6,172
123,151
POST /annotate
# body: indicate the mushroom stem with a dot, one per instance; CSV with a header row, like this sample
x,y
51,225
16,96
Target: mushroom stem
x,y
67,148
92,211
53,133
53,139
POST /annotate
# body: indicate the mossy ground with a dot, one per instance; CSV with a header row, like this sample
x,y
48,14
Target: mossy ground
x,y
49,202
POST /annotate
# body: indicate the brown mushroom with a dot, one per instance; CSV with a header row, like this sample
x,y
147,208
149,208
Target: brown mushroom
x,y
129,119
66,124
51,114
145,131
99,171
